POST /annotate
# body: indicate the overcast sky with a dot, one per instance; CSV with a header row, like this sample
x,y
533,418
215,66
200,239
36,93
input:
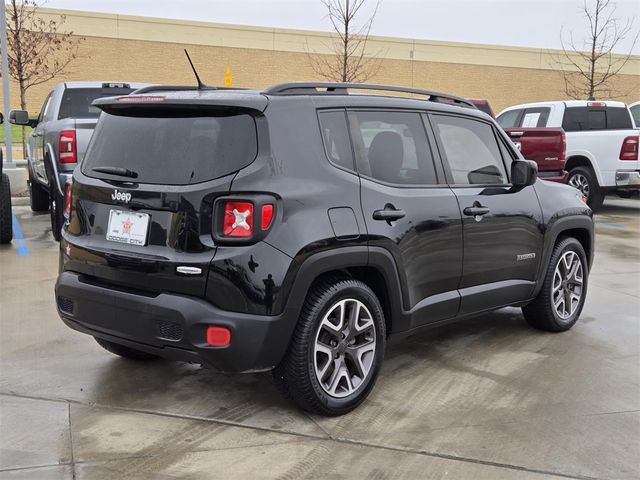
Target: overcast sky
x,y
529,23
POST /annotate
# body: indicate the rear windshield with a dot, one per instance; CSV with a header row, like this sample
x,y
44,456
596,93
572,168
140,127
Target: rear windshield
x,y
76,102
596,118
176,150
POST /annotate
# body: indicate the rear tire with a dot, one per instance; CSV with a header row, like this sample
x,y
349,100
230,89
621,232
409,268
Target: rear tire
x,y
585,180
337,349
38,196
56,206
556,308
124,352
6,224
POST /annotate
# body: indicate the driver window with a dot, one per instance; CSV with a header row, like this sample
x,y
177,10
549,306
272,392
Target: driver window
x,y
45,107
470,150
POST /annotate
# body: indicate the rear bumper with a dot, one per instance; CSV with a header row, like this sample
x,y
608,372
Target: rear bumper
x,y
628,178
554,176
170,325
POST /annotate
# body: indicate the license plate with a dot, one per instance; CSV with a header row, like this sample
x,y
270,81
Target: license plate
x,y
128,227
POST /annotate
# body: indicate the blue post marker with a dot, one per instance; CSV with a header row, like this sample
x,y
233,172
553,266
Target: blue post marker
x,y
21,246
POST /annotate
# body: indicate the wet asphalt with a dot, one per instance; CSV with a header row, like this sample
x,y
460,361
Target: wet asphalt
x,y
489,398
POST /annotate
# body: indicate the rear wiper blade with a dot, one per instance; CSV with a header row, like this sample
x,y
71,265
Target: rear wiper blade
x,y
119,171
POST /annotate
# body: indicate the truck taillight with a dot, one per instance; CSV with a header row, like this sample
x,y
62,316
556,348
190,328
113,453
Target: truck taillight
x,y
67,151
243,219
629,150
67,201
563,153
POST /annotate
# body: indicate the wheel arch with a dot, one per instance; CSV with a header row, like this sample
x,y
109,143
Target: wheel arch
x,y
374,267
583,160
578,227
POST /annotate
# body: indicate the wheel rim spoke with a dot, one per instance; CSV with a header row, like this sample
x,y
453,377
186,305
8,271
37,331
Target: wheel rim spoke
x,y
344,349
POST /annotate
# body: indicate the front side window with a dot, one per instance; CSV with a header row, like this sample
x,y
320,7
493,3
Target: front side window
x,y
335,136
393,147
470,150
45,107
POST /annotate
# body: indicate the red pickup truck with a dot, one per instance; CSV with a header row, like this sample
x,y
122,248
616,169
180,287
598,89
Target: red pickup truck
x,y
545,146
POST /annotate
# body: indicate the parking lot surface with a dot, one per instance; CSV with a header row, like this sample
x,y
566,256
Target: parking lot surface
x,y
489,398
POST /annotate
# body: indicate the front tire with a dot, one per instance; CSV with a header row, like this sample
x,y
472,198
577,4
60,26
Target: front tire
x,y
124,352
6,225
561,299
337,349
584,179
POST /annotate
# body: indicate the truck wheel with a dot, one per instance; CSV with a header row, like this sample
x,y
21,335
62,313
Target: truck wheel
x,y
56,211
585,180
336,350
6,225
38,196
560,301
124,352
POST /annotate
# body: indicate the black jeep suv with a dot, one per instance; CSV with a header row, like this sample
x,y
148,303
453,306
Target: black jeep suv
x,y
298,228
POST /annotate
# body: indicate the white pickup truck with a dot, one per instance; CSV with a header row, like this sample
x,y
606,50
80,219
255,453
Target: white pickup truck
x,y
602,143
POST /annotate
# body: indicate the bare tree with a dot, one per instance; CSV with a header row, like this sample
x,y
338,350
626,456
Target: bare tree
x,y
348,62
589,65
38,50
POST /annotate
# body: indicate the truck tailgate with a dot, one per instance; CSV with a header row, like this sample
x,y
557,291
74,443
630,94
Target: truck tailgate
x,y
84,130
545,146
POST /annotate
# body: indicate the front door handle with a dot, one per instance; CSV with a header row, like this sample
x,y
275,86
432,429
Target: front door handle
x,y
389,214
476,211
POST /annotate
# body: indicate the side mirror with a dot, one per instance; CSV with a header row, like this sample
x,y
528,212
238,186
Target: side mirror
x,y
523,173
19,117
1,118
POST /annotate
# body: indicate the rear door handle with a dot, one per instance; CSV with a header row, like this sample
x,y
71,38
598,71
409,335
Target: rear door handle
x,y
476,210
389,214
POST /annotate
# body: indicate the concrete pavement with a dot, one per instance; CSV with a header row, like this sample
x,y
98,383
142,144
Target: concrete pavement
x,y
488,398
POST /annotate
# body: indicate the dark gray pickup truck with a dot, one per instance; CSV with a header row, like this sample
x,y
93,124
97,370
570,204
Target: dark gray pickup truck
x,y
60,136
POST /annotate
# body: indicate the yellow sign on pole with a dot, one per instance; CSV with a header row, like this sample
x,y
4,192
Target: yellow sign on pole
x,y
228,79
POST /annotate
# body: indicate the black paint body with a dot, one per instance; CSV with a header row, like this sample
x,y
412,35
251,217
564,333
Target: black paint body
x,y
433,265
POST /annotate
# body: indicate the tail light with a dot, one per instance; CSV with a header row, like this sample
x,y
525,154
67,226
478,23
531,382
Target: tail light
x,y
67,149
629,150
67,201
563,152
244,219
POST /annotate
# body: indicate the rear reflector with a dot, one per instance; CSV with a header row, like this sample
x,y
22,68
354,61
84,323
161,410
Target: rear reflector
x,y
218,336
267,216
67,151
238,219
629,150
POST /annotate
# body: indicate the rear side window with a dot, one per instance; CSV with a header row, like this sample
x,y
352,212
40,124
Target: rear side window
x,y
635,112
535,117
76,102
177,150
509,119
335,136
578,119
393,147
470,150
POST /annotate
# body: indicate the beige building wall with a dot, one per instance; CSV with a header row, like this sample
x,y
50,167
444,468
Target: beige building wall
x,y
127,48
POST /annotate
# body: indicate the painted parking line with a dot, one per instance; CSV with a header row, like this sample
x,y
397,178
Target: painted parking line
x,y
22,249
607,224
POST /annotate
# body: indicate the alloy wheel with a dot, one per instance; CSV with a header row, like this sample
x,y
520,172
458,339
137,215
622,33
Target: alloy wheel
x,y
580,182
344,348
567,285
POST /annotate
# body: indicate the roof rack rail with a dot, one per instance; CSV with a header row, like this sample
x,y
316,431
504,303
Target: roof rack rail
x,y
175,88
338,88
